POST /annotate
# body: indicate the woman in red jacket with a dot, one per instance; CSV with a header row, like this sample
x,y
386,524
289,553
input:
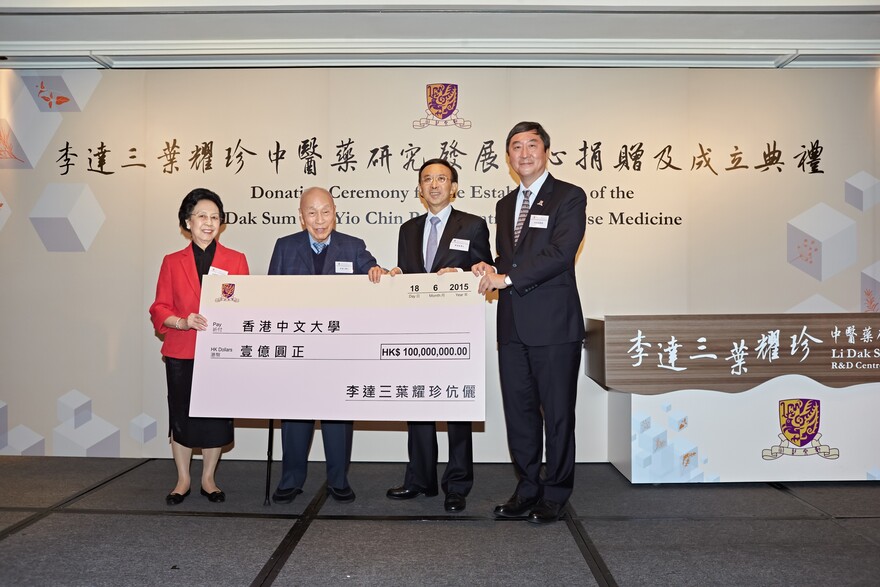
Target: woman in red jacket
x,y
175,314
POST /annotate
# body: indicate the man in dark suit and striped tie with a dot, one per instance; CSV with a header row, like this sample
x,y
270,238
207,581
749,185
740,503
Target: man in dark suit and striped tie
x,y
540,227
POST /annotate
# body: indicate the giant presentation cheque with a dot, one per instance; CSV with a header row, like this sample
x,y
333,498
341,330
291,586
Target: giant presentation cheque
x,y
337,347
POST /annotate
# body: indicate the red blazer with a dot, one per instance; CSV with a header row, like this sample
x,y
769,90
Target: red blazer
x,y
178,292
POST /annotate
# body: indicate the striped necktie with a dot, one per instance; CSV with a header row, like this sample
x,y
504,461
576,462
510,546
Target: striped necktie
x,y
523,212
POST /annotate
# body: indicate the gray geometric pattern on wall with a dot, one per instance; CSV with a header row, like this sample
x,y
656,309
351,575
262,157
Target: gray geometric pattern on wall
x,y
82,433
67,217
21,440
61,91
821,241
26,134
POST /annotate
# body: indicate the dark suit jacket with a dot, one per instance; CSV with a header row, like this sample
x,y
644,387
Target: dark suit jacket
x,y
461,225
543,303
293,255
178,293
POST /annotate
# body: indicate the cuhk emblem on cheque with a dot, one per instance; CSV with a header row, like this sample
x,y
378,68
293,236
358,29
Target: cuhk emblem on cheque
x,y
799,426
227,293
442,101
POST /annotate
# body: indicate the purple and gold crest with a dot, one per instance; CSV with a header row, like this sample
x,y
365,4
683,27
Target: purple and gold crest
x,y
442,108
799,423
227,290
442,99
799,420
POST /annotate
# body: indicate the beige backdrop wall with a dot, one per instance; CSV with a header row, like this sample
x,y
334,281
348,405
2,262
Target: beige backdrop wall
x,y
80,369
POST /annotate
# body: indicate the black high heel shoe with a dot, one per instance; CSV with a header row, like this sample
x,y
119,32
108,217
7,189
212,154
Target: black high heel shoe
x,y
176,498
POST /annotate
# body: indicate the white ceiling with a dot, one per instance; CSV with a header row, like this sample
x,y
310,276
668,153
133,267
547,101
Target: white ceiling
x,y
564,33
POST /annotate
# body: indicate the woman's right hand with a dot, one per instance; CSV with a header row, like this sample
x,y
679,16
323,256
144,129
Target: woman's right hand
x,y
196,322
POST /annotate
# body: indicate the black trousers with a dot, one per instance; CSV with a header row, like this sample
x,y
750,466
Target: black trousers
x,y
421,471
539,389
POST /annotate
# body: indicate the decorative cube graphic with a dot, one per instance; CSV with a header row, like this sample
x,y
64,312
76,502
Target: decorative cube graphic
x,y
26,132
696,476
641,459
143,428
11,152
870,288
662,463
640,422
62,91
82,433
874,474
653,439
687,457
821,241
677,421
24,442
5,211
862,190
67,217
95,438
4,424
74,406
50,93
816,304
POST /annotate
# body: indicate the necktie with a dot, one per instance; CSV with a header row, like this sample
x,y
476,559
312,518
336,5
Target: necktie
x,y
319,247
431,249
523,212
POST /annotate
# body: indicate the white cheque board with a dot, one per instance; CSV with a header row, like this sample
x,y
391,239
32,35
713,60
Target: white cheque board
x,y
338,347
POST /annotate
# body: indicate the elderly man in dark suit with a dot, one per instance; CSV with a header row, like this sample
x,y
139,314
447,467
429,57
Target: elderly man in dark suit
x,y
439,241
540,324
319,250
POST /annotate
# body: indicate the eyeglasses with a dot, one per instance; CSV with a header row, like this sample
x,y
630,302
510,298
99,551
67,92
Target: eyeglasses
x,y
428,179
204,217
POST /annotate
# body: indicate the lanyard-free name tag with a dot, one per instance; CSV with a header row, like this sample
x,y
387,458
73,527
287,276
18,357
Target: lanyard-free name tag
x,y
217,271
459,244
538,221
344,267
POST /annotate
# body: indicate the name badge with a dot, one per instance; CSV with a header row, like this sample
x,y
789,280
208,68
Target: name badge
x,y
459,244
538,221
217,271
344,267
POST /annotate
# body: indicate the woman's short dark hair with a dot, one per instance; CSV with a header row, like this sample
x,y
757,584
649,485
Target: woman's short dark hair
x,y
438,161
194,197
526,126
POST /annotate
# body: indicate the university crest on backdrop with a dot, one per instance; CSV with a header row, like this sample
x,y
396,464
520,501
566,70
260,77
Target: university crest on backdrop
x,y
442,102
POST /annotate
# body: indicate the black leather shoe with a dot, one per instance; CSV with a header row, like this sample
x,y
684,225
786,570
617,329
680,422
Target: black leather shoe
x,y
176,498
454,502
515,507
215,496
546,512
285,495
341,495
404,493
